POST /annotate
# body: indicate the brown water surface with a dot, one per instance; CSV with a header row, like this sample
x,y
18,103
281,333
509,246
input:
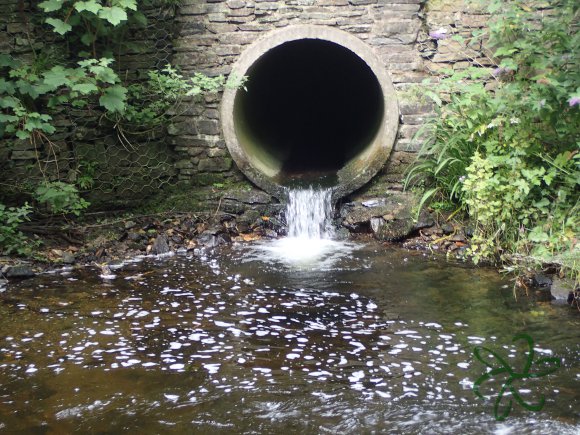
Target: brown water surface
x,y
362,340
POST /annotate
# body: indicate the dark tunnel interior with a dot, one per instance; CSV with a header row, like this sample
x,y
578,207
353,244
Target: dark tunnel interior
x,y
311,104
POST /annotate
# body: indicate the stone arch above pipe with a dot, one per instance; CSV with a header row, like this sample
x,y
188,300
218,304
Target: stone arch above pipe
x,y
318,99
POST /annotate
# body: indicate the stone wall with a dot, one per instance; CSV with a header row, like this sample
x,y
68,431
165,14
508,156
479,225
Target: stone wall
x,y
211,35
124,168
208,36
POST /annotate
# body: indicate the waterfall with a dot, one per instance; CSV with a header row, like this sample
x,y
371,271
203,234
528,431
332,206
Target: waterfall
x,y
311,242
309,213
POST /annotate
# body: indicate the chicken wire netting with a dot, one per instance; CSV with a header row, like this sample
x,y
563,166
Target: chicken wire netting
x,y
101,158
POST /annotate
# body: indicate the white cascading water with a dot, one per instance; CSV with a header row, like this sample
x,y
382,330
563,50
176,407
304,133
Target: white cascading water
x,y
310,242
308,214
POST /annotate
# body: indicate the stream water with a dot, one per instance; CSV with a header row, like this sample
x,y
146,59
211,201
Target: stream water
x,y
360,338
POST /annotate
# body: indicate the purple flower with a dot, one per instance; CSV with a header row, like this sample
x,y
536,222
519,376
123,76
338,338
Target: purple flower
x,y
574,101
500,70
439,34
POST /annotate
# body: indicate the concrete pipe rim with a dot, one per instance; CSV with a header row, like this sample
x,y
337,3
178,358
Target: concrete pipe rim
x,y
360,169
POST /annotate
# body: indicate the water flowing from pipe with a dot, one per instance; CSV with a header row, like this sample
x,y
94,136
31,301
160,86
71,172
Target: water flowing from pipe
x,y
311,241
309,213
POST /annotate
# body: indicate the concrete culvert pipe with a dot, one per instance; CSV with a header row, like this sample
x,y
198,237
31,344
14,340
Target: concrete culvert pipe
x,y
318,105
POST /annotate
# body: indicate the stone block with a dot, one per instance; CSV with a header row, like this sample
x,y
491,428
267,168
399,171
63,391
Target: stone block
x,y
195,9
414,108
408,145
220,28
333,2
184,164
243,38
235,4
23,155
22,145
227,50
18,28
195,151
217,164
395,39
263,8
388,28
182,128
416,119
216,152
243,12
209,127
217,18
211,113
241,19
362,2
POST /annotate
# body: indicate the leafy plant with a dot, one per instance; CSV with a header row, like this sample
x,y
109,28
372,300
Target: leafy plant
x,y
149,103
61,197
12,241
82,77
505,145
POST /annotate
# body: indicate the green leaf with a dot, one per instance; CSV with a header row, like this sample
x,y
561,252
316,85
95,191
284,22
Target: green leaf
x,y
87,38
114,15
6,87
21,134
90,5
56,76
107,75
434,97
27,88
126,4
9,102
7,61
114,99
7,118
139,18
51,5
60,26
85,88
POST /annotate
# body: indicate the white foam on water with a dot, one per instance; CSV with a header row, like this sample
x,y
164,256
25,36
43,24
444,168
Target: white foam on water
x,y
310,232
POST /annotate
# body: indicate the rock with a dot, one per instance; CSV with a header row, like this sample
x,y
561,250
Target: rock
x,y
387,218
134,237
447,229
224,239
251,197
561,288
20,271
270,234
458,237
177,239
542,281
425,220
242,227
249,216
208,240
215,230
129,225
68,258
160,245
232,206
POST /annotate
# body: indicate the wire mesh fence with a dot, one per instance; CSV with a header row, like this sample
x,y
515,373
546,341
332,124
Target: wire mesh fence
x,y
101,158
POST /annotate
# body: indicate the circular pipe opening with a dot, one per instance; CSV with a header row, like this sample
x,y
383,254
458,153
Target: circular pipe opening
x,y
318,107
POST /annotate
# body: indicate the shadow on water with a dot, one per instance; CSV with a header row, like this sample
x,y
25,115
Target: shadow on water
x,y
364,339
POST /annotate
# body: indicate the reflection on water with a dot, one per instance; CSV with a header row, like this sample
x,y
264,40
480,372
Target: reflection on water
x,y
241,341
